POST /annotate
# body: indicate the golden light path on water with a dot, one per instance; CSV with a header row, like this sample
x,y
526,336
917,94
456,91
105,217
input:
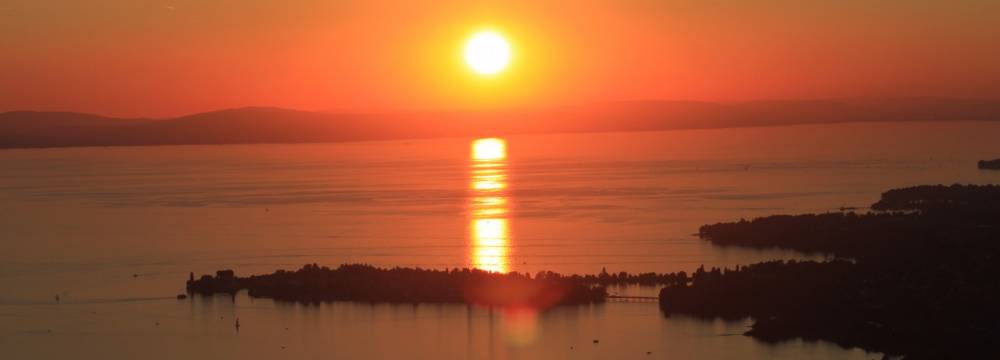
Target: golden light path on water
x,y
489,229
490,239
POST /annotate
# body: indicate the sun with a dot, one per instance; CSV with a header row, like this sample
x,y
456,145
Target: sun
x,y
487,53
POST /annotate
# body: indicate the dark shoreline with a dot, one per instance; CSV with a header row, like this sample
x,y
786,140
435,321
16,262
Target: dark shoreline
x,y
920,281
365,283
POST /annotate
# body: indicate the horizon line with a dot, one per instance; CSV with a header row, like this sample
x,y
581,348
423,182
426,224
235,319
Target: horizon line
x,y
400,111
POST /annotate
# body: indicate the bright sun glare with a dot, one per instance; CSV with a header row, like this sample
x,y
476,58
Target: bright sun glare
x,y
489,149
487,53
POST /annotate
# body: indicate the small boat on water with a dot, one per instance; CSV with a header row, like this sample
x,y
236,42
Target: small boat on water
x,y
989,164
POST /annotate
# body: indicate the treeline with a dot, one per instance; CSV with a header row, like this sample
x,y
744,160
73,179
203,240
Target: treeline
x,y
642,279
921,279
365,283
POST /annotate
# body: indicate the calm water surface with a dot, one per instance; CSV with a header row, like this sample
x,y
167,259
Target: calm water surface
x,y
115,231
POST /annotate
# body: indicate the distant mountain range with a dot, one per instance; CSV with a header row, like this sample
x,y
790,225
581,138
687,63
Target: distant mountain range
x,y
20,129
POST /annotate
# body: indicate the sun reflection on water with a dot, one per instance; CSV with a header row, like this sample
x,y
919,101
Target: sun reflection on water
x,y
489,149
490,241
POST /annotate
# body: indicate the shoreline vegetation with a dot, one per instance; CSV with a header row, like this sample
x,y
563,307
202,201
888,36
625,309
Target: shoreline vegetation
x,y
366,283
913,278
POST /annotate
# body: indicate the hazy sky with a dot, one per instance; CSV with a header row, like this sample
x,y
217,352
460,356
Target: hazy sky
x,y
163,58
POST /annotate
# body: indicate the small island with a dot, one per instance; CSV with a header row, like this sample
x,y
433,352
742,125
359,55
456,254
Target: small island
x,y
365,283
989,164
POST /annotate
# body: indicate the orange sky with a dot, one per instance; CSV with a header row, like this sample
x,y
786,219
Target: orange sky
x,y
163,58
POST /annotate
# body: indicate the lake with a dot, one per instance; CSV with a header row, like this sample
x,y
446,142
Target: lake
x,y
114,232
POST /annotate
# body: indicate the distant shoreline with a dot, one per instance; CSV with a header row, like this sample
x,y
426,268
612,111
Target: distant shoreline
x,y
2,148
261,125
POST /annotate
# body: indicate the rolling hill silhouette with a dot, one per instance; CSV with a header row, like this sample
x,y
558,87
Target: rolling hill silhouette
x,y
275,125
